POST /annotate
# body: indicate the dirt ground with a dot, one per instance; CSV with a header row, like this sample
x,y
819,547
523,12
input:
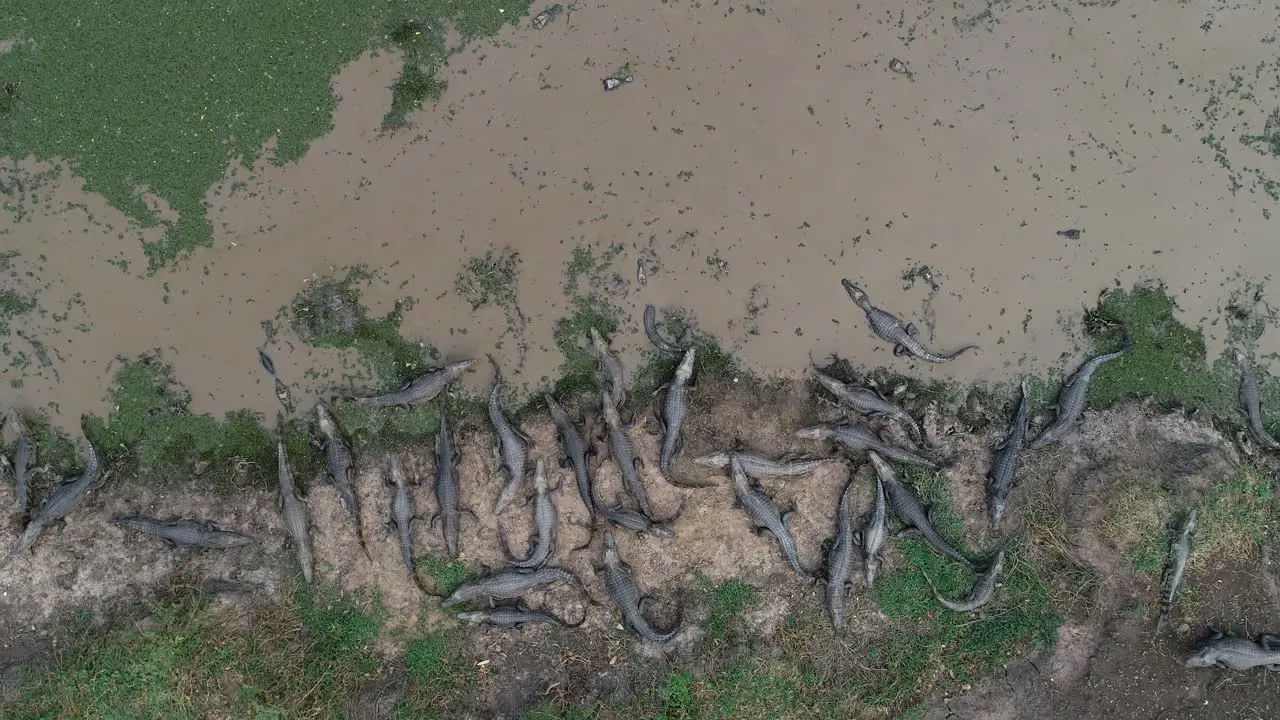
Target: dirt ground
x,y
1106,661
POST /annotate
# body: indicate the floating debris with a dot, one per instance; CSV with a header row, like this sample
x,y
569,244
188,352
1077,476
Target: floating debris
x,y
899,67
613,83
546,16
282,394
642,276
1072,234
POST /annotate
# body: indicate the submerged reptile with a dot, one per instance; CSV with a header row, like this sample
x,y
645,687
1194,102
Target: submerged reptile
x,y
891,329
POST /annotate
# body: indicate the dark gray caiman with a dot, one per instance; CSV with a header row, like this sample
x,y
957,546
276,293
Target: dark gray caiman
x,y
625,517
655,337
507,585
675,406
446,487
294,512
611,366
980,594
916,517
1230,653
576,452
623,454
341,468
514,617
840,558
622,587
544,521
875,532
1179,556
759,467
1072,397
60,501
512,447
185,533
403,518
22,457
764,515
891,329
857,439
422,389
1251,404
867,402
1004,467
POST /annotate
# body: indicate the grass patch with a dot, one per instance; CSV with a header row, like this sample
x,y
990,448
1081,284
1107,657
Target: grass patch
x,y
1233,520
197,87
448,574
303,657
725,601
12,305
1168,360
328,314
580,370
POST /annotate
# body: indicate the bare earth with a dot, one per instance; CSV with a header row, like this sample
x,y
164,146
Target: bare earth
x,y
761,155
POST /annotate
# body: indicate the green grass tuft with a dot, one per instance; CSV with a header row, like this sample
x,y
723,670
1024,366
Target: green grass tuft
x,y
448,574
726,600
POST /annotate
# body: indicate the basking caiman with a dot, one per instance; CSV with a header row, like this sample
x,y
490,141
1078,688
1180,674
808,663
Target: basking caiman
x,y
840,558
675,406
294,513
1179,555
446,487
1251,404
576,452
764,515
1230,653
611,366
867,401
341,468
913,515
622,587
185,533
1001,476
507,585
422,389
856,439
544,521
623,454
982,591
759,467
22,457
61,501
891,329
1071,400
512,447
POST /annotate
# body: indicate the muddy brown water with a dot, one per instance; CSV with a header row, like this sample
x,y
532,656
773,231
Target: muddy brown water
x,y
760,157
